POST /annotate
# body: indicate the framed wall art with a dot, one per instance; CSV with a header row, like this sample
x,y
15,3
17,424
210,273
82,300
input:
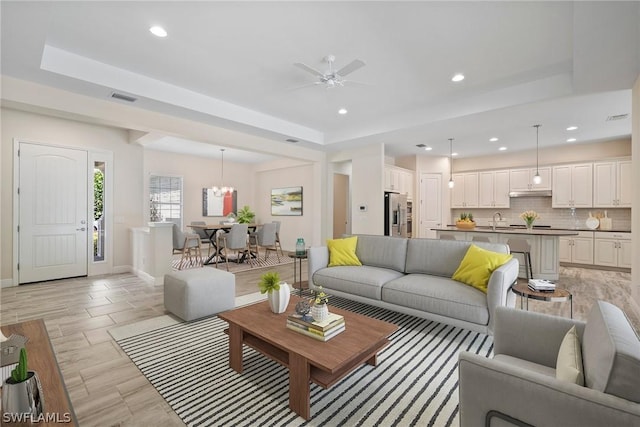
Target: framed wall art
x,y
286,201
218,203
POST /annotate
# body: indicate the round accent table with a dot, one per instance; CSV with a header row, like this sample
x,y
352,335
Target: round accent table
x,y
559,295
297,276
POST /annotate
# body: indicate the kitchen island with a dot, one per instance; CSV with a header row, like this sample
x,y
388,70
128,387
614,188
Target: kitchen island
x,y
545,245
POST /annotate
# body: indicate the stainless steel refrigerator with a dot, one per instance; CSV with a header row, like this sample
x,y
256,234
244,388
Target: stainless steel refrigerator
x,y
395,214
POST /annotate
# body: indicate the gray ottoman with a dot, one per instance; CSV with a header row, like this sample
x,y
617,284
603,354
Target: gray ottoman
x,y
199,292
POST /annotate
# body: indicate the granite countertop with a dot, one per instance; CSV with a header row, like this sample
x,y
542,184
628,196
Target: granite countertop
x,y
513,230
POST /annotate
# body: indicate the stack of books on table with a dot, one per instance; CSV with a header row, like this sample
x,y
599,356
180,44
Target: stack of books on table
x,y
541,285
322,331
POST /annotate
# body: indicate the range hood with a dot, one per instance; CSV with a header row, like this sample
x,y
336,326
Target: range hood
x,y
534,193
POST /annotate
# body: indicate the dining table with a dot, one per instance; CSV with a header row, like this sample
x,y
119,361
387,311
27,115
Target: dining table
x,y
212,229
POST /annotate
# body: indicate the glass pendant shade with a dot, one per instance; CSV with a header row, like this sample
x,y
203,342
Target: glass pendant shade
x,y
537,179
451,183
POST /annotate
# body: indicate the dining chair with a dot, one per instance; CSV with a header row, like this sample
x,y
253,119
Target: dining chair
x,y
235,240
204,237
265,237
277,223
188,244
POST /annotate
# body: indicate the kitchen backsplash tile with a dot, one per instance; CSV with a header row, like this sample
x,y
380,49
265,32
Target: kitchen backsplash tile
x,y
555,217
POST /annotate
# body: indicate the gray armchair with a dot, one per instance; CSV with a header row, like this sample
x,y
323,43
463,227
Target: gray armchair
x,y
265,237
188,244
235,240
518,386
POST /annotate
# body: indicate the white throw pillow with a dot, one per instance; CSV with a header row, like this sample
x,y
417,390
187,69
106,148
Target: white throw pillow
x,y
569,362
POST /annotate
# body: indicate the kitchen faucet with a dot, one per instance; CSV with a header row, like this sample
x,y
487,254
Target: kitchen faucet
x,y
494,219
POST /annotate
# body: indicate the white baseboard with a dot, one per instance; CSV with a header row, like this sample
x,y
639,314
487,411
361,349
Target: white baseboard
x,y
147,277
7,283
119,269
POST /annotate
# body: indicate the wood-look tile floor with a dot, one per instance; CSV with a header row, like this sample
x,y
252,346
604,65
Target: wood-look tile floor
x,y
106,388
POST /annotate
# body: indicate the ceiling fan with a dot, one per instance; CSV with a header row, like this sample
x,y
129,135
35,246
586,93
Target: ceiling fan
x,y
332,78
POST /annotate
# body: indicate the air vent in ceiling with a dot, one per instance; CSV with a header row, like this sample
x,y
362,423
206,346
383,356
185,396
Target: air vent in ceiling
x,y
291,140
617,117
123,97
420,145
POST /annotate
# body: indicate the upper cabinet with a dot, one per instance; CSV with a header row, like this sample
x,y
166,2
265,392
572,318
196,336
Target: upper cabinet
x,y
493,189
464,193
612,184
522,179
399,180
572,186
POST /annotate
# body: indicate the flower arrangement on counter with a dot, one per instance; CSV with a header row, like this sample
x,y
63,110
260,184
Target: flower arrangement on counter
x,y
465,221
529,217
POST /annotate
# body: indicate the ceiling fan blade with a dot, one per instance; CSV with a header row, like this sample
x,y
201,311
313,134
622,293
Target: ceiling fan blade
x,y
351,67
308,69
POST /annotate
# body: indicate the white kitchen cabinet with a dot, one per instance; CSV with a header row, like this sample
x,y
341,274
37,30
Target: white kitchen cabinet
x,y
464,193
521,180
399,180
493,189
572,186
613,249
577,249
612,184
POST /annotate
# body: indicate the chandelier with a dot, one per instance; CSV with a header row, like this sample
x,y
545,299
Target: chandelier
x,y
223,189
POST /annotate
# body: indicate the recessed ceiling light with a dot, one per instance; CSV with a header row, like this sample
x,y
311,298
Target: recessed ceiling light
x,y
572,128
454,154
158,31
571,140
494,139
342,111
427,148
457,78
502,148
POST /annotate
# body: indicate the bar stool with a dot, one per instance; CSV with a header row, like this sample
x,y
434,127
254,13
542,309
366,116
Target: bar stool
x,y
521,246
447,237
480,239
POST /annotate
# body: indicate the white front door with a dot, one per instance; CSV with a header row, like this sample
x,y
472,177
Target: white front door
x,y
53,228
430,204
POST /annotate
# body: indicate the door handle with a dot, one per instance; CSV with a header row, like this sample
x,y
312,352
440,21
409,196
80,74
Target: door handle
x,y
80,229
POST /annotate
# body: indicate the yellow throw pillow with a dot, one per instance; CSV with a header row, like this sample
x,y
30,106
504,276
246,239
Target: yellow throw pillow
x,y
343,251
477,265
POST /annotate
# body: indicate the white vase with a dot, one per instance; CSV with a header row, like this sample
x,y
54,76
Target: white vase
x,y
319,312
279,300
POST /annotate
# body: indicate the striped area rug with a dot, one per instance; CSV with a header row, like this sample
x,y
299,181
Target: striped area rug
x,y
414,384
234,267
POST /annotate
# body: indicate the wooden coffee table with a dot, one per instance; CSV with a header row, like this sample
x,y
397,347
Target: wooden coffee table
x,y
308,360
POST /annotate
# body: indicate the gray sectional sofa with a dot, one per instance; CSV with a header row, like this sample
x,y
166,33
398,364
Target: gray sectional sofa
x,y
413,276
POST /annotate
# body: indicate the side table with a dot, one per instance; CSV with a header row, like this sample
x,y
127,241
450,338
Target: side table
x,y
559,295
297,259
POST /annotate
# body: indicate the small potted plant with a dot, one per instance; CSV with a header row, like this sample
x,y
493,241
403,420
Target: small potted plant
x,y
319,308
278,292
466,221
21,392
245,215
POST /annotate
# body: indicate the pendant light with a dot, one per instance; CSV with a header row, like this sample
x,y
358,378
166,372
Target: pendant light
x,y
220,191
451,183
537,179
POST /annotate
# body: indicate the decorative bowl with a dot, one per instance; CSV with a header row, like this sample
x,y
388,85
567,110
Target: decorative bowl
x,y
465,225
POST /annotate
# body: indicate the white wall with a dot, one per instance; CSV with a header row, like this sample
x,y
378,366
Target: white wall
x,y
289,174
635,201
198,173
367,188
127,204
